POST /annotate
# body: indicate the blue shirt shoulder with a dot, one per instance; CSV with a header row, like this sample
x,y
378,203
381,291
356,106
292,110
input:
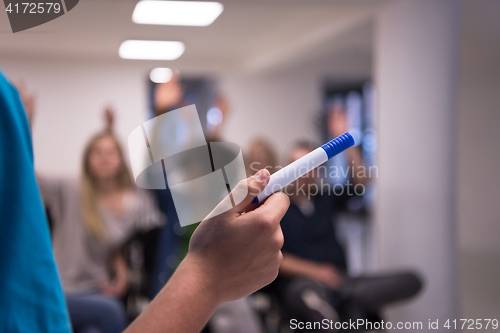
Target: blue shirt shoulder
x,y
31,296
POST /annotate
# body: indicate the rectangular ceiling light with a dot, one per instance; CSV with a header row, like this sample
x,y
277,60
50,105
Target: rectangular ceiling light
x,y
194,13
151,50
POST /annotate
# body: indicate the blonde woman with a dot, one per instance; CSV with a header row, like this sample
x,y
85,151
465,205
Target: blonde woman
x,y
260,155
92,219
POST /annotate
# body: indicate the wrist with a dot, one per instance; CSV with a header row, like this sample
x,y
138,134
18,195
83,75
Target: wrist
x,y
314,270
194,277
189,299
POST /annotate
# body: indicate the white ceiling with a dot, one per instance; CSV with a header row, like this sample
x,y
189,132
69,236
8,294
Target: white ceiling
x,y
254,35
248,36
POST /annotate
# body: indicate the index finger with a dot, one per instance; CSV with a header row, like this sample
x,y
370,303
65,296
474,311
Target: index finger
x,y
275,207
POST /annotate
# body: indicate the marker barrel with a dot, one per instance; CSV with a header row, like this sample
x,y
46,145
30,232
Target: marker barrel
x,y
305,164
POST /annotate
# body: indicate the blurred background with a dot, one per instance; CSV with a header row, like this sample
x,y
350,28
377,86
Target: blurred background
x,y
420,81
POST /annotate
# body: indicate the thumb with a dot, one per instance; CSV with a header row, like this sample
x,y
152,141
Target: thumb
x,y
241,195
248,189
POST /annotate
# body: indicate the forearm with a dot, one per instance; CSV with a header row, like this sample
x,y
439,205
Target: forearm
x,y
185,304
120,267
323,273
230,256
356,161
294,266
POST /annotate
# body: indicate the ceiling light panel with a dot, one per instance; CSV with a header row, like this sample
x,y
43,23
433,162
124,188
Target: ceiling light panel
x,y
151,50
187,13
161,75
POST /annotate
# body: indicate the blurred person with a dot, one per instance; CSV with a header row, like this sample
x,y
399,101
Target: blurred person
x,y
168,95
222,110
173,243
235,316
230,255
260,155
337,124
91,220
172,239
109,119
313,283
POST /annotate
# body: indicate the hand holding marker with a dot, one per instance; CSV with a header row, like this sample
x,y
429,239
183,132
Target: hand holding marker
x,y
303,165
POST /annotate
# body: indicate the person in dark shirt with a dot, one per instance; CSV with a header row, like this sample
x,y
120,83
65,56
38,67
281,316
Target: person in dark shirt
x,y
310,235
313,283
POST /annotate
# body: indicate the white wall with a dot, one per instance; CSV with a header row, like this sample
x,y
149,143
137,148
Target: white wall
x,y
479,160
70,98
280,108
479,182
479,131
284,105
71,94
416,79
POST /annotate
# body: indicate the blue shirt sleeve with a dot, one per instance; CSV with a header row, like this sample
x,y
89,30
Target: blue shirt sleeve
x,y
31,297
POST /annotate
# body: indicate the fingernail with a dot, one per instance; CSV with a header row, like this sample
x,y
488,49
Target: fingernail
x,y
262,175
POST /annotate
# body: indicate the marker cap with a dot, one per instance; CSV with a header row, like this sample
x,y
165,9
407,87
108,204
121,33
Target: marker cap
x,y
338,145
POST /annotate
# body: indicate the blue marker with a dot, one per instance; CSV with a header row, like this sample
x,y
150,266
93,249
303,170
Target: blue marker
x,y
303,165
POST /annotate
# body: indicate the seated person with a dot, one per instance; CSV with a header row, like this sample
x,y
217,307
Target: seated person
x,y
313,260
92,220
230,255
